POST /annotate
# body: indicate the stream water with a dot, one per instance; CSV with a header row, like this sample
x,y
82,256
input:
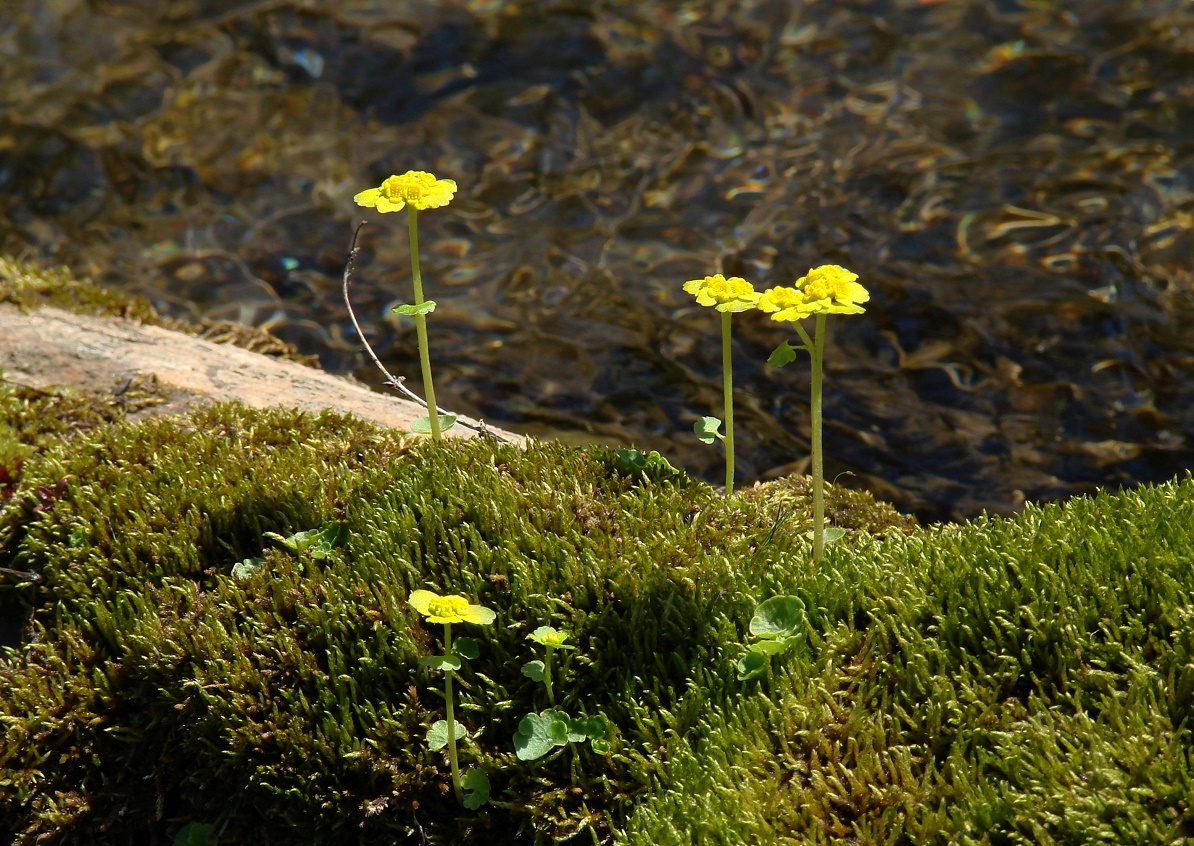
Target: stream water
x,y
1013,180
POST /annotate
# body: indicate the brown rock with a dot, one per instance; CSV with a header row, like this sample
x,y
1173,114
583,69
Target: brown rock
x,y
45,348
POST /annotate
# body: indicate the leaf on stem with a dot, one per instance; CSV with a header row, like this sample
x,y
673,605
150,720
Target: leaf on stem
x,y
466,647
422,426
784,354
751,666
535,737
777,618
448,663
424,307
437,735
707,429
534,670
476,788
831,534
772,647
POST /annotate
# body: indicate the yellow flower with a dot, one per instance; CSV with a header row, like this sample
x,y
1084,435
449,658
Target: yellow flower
x,y
733,294
548,636
449,609
786,303
827,289
417,187
833,290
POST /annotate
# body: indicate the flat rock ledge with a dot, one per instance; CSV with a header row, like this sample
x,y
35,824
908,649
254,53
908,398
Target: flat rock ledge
x,y
47,348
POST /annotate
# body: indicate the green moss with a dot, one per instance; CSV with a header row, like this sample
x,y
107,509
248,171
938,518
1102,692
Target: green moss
x,y
1011,681
29,286
1020,680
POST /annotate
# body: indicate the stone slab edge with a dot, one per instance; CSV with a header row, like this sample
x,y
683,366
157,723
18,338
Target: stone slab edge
x,y
45,348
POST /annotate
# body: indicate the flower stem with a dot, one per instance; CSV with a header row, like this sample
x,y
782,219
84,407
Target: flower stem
x,y
727,378
818,352
547,676
412,219
451,718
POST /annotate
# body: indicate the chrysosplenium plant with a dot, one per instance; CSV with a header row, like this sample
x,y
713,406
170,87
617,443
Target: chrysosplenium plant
x,y
540,733
448,610
416,190
727,296
828,289
825,290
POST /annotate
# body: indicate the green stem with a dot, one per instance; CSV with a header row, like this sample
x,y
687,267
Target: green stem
x,y
451,718
818,352
727,379
547,676
412,219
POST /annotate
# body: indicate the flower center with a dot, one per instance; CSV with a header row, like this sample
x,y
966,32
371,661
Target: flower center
x,y
829,282
786,297
733,288
409,187
447,606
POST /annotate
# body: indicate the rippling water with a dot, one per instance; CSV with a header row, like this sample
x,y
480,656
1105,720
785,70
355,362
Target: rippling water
x,y
1012,179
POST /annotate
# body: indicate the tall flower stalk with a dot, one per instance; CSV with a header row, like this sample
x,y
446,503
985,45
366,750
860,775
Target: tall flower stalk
x,y
727,296
828,289
448,610
416,190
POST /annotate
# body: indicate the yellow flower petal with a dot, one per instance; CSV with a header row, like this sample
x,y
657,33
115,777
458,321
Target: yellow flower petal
x,y
420,600
368,197
478,614
384,205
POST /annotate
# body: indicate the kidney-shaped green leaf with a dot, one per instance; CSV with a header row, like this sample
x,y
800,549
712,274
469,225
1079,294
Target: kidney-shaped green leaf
x,y
437,735
422,426
422,308
779,616
706,429
751,666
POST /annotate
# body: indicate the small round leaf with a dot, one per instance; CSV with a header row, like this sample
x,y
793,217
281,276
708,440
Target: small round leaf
x,y
437,735
751,666
533,738
534,670
706,430
422,426
778,616
770,647
449,662
466,647
476,788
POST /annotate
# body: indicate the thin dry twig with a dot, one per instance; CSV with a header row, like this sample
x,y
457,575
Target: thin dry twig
x,y
396,382
21,575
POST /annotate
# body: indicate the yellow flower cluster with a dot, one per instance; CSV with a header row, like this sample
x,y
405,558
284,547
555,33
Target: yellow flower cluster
x,y
727,295
449,609
418,188
828,289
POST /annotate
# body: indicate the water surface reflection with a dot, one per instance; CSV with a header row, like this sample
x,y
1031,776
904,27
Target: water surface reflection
x,y
1012,180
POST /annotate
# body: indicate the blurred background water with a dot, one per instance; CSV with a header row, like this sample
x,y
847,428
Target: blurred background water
x,y
1012,179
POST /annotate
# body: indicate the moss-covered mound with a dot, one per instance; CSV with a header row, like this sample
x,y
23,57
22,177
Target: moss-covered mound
x,y
1009,681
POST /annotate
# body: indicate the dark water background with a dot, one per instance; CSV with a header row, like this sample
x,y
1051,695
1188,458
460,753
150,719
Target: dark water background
x,y
1012,179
